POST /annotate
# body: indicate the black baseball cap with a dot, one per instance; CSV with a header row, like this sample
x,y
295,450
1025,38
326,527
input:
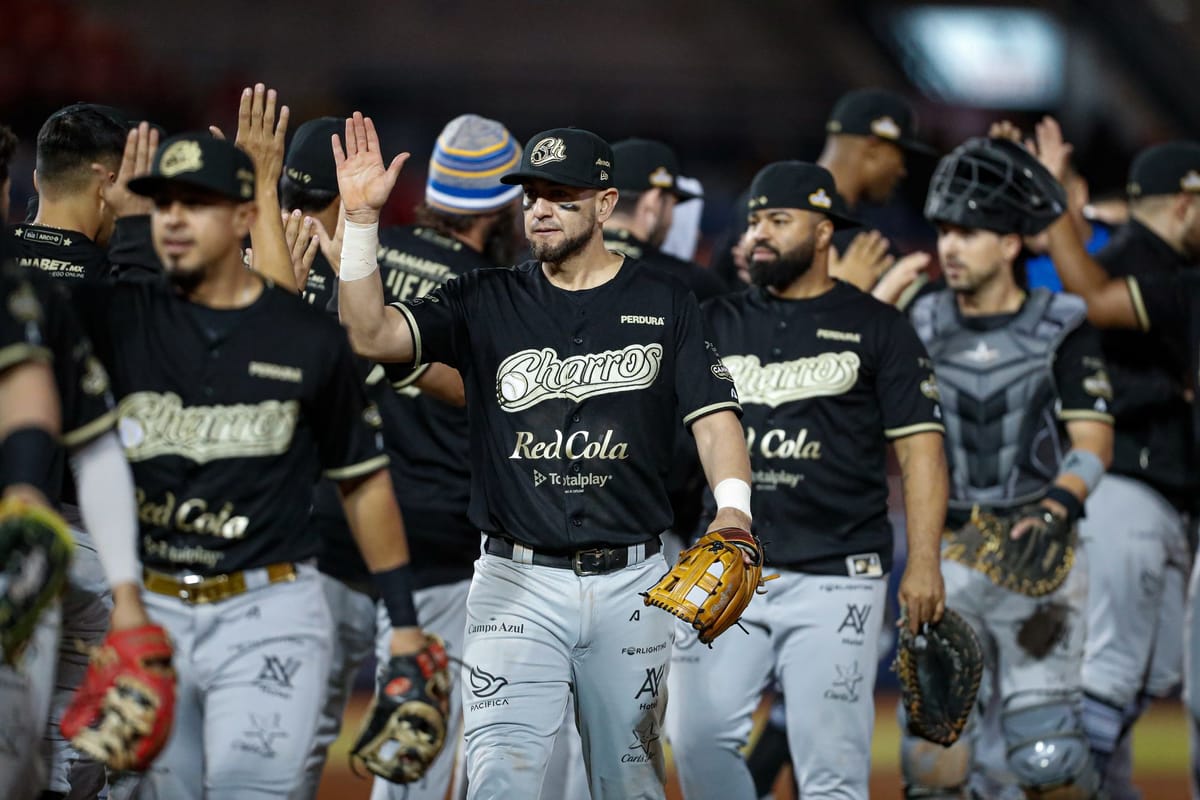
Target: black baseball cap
x,y
879,113
199,161
798,184
644,164
567,156
1168,168
309,160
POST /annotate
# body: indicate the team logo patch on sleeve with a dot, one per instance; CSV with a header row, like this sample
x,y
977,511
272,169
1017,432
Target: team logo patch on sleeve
x,y
1098,385
929,388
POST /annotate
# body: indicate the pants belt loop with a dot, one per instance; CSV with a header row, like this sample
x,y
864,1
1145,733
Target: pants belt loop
x,y
522,554
637,554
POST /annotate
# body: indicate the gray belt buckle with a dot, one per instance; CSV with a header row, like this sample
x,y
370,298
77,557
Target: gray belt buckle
x,y
577,561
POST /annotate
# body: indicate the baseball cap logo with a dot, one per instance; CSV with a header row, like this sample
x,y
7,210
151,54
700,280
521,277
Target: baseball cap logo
x,y
661,178
820,199
183,156
547,151
885,128
1190,182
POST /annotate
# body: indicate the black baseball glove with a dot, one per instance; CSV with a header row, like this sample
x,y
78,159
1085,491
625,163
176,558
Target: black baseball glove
x,y
406,725
1034,565
939,670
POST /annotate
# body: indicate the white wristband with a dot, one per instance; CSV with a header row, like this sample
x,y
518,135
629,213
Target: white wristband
x,y
359,245
733,493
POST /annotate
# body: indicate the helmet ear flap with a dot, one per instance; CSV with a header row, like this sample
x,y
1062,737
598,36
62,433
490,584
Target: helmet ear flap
x,y
997,185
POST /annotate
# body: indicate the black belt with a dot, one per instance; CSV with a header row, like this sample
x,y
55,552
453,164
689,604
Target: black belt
x,y
596,561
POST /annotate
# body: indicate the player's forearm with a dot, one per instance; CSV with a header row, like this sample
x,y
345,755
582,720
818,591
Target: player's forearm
x,y
1108,300
926,482
362,307
721,445
1090,455
272,258
444,383
104,484
374,519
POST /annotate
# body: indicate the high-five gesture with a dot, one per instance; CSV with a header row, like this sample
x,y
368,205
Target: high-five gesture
x,y
260,134
363,181
140,145
1052,150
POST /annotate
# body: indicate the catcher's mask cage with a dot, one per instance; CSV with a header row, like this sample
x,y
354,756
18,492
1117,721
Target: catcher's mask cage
x,y
997,185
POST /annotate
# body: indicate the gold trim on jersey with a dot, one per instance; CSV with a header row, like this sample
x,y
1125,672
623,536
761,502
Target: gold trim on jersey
x,y
357,470
709,409
152,424
405,384
17,353
1083,414
909,430
89,431
416,332
1139,305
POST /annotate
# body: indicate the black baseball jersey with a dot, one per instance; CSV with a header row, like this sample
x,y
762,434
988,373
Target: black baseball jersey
x,y
22,320
1169,303
426,439
318,289
59,253
703,283
227,418
1152,440
825,384
574,397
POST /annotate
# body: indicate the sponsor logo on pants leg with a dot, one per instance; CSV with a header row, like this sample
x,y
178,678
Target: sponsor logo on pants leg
x,y
485,686
276,675
260,737
645,745
650,686
854,625
845,685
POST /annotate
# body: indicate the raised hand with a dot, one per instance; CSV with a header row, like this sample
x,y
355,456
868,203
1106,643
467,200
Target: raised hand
x,y
331,246
300,235
260,134
1052,150
865,260
140,145
895,282
363,182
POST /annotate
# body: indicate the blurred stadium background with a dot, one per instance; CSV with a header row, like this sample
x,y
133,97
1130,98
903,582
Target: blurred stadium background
x,y
731,85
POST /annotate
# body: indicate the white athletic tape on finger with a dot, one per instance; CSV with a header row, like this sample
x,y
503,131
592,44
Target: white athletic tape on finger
x,y
359,245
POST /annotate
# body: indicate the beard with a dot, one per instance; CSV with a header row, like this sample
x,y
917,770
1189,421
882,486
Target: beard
x,y
785,269
185,281
557,253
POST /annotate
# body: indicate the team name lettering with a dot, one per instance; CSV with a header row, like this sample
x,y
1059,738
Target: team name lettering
x,y
778,443
633,319
527,378
828,374
578,445
152,424
191,516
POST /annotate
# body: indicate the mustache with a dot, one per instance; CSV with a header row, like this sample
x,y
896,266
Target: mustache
x,y
764,246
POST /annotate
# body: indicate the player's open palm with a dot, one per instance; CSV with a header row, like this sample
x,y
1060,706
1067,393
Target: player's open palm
x,y
363,180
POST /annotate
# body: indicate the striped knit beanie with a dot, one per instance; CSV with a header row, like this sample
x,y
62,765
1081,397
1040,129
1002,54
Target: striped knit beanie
x,y
468,160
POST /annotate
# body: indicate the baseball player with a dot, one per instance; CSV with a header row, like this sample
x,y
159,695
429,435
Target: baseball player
x,y
1140,510
309,186
228,389
827,376
76,198
870,134
1162,303
576,366
466,212
1026,401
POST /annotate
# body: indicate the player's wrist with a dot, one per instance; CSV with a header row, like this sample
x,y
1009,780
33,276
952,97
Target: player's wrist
x,y
734,494
360,240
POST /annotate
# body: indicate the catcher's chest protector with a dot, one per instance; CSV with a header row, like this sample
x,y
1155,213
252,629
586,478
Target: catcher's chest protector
x,y
1003,437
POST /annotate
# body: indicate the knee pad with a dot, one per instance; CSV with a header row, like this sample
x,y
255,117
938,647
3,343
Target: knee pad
x,y
1049,753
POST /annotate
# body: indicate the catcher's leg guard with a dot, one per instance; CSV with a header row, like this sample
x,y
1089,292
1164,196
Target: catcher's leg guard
x,y
931,771
1048,752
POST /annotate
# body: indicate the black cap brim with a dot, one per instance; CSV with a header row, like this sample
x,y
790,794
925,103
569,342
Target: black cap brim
x,y
683,195
150,185
524,176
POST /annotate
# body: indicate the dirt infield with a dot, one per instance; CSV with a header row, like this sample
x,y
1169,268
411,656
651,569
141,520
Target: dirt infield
x,y
1160,757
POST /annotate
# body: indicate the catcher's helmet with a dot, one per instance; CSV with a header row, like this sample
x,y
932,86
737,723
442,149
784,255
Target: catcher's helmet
x,y
997,185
